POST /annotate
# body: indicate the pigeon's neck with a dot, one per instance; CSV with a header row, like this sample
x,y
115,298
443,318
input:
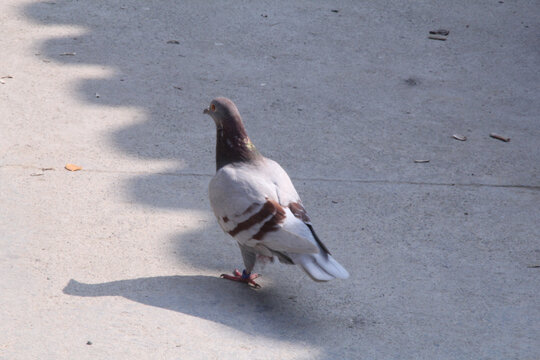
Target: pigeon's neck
x,y
233,147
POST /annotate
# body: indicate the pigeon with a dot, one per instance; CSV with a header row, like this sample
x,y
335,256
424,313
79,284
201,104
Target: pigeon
x,y
256,203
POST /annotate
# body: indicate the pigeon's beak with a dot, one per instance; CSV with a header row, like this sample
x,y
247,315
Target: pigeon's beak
x,y
206,111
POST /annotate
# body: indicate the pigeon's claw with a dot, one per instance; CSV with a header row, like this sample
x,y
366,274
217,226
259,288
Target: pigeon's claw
x,y
243,277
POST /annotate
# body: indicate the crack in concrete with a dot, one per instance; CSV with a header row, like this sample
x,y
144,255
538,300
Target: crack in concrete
x,y
359,181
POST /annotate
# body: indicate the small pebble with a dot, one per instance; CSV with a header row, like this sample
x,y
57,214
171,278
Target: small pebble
x,y
443,32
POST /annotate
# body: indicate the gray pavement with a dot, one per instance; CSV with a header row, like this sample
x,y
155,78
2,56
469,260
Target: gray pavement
x,y
121,260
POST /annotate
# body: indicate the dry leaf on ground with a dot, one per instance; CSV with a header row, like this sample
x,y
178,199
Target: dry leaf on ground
x,y
500,137
73,167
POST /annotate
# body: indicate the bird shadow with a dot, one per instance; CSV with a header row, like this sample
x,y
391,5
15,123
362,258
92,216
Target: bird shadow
x,y
214,299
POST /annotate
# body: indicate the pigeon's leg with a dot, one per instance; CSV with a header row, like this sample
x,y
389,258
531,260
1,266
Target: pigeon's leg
x,y
243,277
246,276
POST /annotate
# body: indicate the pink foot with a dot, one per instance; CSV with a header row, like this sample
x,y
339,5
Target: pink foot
x,y
243,277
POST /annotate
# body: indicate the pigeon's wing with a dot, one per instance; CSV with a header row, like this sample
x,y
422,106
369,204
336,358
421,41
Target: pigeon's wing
x,y
288,197
246,202
320,266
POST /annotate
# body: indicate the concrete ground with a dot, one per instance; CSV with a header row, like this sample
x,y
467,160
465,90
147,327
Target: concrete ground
x,y
121,260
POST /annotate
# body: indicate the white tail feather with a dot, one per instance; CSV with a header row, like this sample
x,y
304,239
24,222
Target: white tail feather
x,y
321,266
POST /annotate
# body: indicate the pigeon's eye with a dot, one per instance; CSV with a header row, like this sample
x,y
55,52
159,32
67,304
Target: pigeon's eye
x,y
213,107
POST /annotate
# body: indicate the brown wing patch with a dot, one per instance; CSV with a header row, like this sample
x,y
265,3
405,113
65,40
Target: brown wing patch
x,y
299,212
270,209
272,224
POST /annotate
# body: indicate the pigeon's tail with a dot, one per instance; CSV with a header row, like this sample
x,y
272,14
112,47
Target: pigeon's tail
x,y
321,266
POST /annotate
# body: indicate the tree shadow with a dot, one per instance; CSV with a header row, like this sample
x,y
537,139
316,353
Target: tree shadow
x,y
167,61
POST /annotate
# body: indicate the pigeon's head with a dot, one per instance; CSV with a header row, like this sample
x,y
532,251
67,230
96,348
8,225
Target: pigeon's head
x,y
233,144
224,113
